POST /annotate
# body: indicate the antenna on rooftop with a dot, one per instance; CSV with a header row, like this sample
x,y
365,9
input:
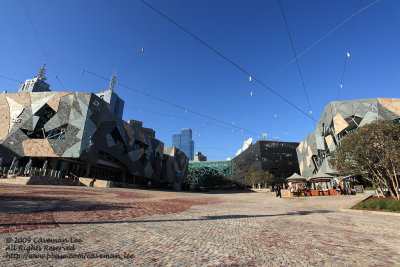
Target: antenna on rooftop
x,y
42,72
112,81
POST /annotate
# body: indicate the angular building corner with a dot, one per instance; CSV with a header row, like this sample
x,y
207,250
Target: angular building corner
x,y
79,134
339,118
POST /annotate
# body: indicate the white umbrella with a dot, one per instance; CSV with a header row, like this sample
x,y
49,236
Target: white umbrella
x,y
28,165
13,163
45,165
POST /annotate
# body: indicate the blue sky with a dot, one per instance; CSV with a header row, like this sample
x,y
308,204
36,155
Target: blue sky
x,y
104,35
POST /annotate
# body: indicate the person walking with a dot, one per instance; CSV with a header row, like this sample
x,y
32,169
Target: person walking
x,y
278,191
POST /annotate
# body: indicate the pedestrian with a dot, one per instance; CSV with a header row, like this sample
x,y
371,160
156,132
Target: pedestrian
x,y
278,191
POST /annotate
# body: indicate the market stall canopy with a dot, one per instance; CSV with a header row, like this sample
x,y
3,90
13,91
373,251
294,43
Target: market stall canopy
x,y
295,178
348,177
320,177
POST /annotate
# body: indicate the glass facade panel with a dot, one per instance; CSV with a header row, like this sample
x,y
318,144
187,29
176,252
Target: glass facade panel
x,y
184,142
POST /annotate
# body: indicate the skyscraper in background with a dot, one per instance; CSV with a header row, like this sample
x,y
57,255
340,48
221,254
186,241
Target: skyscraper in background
x,y
184,142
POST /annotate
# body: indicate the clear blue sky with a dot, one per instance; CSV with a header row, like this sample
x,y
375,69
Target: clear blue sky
x,y
104,35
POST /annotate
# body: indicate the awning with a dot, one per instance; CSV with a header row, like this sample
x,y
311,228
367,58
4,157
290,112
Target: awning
x,y
295,178
320,177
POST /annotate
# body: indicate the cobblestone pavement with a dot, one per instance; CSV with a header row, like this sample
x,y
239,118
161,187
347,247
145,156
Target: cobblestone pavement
x,y
41,225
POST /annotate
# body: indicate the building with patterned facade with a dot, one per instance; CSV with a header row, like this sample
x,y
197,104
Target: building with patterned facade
x,y
79,134
339,118
208,173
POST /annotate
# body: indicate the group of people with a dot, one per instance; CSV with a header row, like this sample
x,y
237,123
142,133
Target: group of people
x,y
299,188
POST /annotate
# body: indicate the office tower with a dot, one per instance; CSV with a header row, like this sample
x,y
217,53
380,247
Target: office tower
x,y
184,142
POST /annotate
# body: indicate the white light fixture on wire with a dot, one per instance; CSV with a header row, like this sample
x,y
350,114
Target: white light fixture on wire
x,y
341,85
250,78
348,54
251,92
142,49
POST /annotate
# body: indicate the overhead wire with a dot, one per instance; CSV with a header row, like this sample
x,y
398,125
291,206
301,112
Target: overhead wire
x,y
240,100
148,39
11,79
347,56
40,43
142,93
175,116
21,57
358,11
297,60
225,58
324,37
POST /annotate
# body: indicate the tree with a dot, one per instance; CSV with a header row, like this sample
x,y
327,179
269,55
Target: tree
x,y
373,152
267,178
251,177
254,177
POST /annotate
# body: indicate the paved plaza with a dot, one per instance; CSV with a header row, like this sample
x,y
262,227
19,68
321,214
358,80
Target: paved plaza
x,y
79,226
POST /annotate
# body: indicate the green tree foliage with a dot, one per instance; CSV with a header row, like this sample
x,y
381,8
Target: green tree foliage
x,y
254,177
373,152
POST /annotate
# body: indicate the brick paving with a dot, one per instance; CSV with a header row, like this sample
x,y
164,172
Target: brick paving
x,y
127,227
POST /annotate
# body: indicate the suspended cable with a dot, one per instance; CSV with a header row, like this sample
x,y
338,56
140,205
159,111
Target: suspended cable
x,y
148,39
324,37
242,99
11,79
347,56
33,27
225,58
141,93
169,103
175,117
21,57
297,60
40,43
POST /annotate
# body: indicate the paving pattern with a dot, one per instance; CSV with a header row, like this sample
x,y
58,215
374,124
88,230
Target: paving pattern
x,y
78,226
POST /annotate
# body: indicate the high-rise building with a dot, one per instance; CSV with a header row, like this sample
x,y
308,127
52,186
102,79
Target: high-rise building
x,y
117,104
36,84
200,157
184,142
278,158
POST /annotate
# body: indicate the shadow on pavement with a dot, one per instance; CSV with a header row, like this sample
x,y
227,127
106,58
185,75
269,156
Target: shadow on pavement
x,y
204,218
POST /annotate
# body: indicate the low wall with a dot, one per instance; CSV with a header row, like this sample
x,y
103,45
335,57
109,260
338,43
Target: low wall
x,y
38,180
44,180
98,183
21,180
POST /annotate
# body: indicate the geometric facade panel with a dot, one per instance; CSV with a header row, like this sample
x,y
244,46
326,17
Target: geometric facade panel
x,y
77,133
337,119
